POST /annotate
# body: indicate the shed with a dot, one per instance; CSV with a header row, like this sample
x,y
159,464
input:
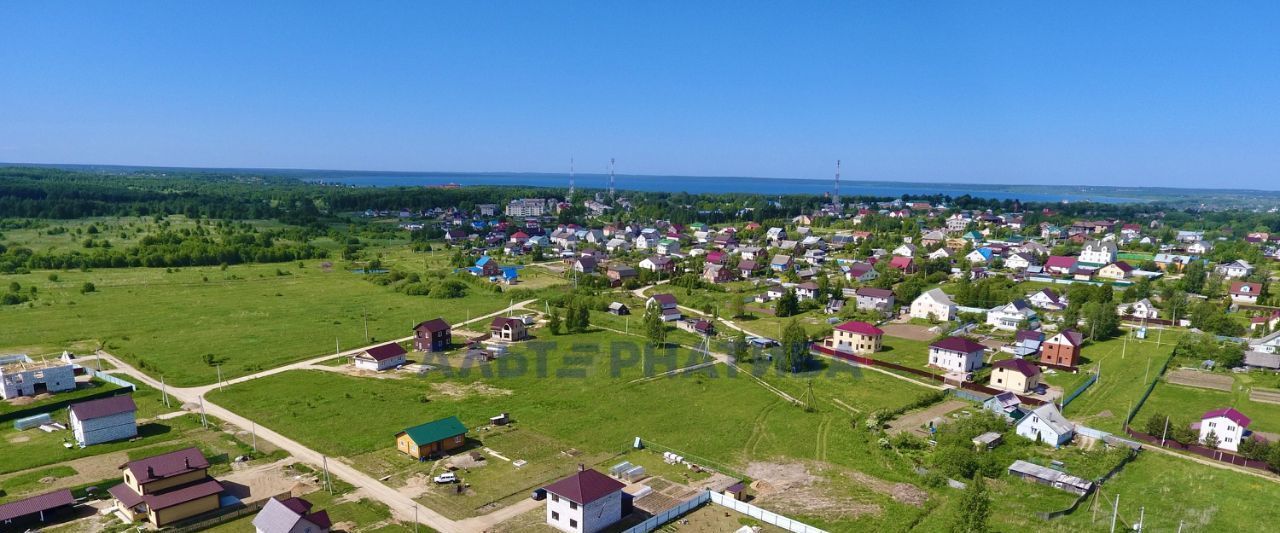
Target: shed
x,y
424,440
1048,476
36,507
104,420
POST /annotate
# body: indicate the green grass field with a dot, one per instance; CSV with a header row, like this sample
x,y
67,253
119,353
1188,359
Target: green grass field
x,y
1187,403
1126,369
247,317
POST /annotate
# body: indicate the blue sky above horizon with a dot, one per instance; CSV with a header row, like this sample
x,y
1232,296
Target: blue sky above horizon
x,y
1082,93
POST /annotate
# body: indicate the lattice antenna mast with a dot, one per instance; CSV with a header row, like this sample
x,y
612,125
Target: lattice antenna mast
x,y
835,199
571,179
611,180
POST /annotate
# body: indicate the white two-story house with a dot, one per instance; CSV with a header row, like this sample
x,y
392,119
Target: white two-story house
x,y
585,502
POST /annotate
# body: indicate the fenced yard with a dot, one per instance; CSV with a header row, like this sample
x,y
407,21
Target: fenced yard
x,y
1201,379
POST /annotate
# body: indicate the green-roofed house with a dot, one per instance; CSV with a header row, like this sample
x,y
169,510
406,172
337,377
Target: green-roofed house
x,y
422,441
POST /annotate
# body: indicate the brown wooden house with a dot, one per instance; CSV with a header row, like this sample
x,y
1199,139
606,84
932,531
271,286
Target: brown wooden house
x,y
425,440
432,336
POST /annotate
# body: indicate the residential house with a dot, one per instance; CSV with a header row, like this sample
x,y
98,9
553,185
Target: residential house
x,y
1010,316
1046,424
1245,292
781,262
1048,300
834,306
1047,476
1098,253
933,305
956,354
1062,349
715,273
291,515
807,290
486,266
941,253
905,250
585,502
1200,247
861,273
1019,261
1227,425
1059,265
617,245
1015,375
667,304
20,376
508,329
979,255
381,357
1171,262
658,263
907,265
585,264
1118,270
1006,404
747,269
433,438
698,326
668,247
1140,309
932,238
434,335
872,299
619,274
167,488
619,308
104,420
1237,269
855,337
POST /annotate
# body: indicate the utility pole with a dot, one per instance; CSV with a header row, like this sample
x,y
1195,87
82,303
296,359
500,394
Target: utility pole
x,y
203,420
1115,510
1142,518
365,314
327,485
415,504
219,377
337,348
1165,434
164,392
255,436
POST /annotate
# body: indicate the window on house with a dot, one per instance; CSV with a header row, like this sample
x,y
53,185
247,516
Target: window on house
x,y
555,498
555,515
573,505
573,523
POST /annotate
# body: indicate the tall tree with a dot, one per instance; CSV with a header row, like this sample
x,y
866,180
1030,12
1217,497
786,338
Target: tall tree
x,y
788,304
975,507
654,328
554,323
795,354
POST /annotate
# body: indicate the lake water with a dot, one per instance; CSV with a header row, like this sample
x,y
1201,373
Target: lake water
x,y
765,186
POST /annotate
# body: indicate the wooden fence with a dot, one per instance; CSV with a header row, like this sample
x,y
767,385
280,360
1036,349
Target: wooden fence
x,y
1208,453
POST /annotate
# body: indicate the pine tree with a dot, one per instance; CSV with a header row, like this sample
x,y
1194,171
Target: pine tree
x,y
654,328
788,304
554,322
584,317
795,349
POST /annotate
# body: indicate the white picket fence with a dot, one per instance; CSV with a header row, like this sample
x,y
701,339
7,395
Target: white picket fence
x,y
747,509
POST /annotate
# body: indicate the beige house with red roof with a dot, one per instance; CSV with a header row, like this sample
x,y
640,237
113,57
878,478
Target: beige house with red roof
x,y
1015,375
167,488
855,337
1245,292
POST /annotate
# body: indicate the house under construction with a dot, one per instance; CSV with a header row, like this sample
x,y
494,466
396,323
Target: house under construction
x,y
20,376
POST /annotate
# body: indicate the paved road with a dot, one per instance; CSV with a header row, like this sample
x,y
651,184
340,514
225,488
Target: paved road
x,y
402,507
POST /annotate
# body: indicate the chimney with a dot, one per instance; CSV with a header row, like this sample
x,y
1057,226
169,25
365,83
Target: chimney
x,y
582,467
151,472
186,461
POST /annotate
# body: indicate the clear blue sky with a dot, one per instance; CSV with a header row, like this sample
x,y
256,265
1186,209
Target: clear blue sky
x,y
1162,93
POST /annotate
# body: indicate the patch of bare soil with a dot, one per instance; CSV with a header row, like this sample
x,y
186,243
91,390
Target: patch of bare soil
x,y
415,486
21,400
466,461
900,492
260,482
790,488
14,439
478,388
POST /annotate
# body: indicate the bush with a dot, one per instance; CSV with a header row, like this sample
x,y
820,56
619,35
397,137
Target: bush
x,y
88,287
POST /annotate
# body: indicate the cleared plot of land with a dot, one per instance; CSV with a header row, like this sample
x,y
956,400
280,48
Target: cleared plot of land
x,y
1200,379
1187,404
1126,370
1265,395
246,318
917,421
913,332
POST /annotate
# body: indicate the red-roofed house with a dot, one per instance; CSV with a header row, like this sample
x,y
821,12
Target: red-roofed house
x,y
1116,270
585,502
956,354
1227,425
1245,292
104,420
1015,375
434,335
1061,265
1062,349
508,329
167,488
906,264
381,357
855,337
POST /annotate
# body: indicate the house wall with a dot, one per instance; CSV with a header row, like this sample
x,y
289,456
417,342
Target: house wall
x,y
591,518
1060,354
953,361
405,445
1012,381
185,510
1228,432
166,483
105,429
847,341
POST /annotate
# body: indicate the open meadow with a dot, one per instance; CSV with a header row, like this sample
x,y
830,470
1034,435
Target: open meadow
x,y
1126,368
246,318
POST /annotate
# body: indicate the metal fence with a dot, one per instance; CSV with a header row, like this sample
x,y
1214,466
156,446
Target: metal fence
x,y
762,515
1093,378
110,378
222,516
656,521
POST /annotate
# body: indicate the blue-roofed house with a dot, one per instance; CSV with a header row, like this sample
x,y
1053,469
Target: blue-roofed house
x,y
488,266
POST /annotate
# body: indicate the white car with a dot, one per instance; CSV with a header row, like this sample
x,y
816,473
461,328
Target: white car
x,y
446,477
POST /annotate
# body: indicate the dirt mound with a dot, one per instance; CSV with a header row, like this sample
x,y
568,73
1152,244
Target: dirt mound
x,y
457,390
792,489
900,492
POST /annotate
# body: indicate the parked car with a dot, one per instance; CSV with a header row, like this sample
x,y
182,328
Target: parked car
x,y
446,477
539,494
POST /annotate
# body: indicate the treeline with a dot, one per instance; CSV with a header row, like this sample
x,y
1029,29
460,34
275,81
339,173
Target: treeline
x,y
168,249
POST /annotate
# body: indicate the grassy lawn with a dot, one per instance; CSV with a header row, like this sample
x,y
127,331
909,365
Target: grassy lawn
x,y
1126,369
32,448
1187,404
82,390
248,317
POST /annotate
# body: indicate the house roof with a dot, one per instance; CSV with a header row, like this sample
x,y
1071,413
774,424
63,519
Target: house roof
x,y
871,292
435,431
503,321
1237,287
36,504
1020,366
780,259
1060,261
664,299
167,465
281,516
1229,413
958,344
938,296
386,351
861,328
104,407
433,325
746,264
585,486
167,499
901,262
1073,337
1053,418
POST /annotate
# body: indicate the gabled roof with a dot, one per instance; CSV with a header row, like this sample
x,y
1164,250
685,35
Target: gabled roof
x,y
958,344
433,325
104,407
1060,261
938,296
167,465
435,431
165,500
585,486
281,516
1053,418
386,351
504,321
1238,287
861,328
901,262
871,292
1073,337
1020,366
36,504
1229,413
